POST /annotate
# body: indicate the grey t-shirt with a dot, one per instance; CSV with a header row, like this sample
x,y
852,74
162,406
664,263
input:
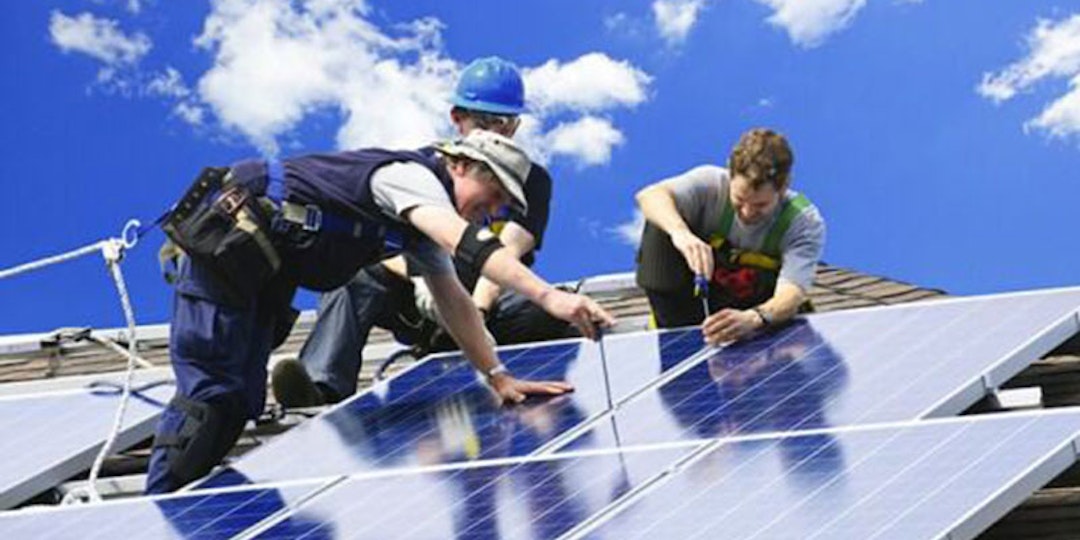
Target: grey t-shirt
x,y
400,187
701,195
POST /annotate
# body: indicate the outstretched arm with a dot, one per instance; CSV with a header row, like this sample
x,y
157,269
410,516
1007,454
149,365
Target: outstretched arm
x,y
464,324
447,229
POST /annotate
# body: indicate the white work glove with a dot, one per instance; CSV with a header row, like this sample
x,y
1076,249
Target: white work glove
x,y
425,302
425,305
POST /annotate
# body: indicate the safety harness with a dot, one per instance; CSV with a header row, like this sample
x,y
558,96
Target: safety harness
x,y
745,278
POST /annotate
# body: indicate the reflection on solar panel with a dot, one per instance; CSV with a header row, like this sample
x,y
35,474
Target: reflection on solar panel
x,y
910,480
439,412
933,479
59,433
822,429
221,514
856,367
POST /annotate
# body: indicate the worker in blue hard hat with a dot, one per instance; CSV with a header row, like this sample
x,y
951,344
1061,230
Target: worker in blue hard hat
x,y
733,249
490,95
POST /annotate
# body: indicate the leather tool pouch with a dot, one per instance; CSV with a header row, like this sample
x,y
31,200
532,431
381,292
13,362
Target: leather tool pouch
x,y
223,227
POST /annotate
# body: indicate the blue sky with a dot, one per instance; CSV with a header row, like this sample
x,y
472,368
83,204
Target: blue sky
x,y
939,138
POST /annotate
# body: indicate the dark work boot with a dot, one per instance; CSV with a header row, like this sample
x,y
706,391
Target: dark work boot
x,y
293,387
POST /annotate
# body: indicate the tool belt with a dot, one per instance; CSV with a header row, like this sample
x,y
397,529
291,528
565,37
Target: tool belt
x,y
223,226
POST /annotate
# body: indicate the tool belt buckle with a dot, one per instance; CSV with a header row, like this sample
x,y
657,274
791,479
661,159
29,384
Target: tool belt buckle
x,y
312,218
232,200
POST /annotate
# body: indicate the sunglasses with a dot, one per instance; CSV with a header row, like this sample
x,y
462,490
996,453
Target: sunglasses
x,y
492,121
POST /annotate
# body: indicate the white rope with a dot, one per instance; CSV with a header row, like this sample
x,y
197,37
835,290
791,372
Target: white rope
x,y
48,261
113,252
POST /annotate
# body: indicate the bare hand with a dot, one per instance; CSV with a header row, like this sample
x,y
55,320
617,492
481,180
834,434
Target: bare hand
x,y
698,254
581,311
730,325
511,390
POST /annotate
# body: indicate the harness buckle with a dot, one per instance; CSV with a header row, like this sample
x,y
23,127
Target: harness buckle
x,y
232,200
313,218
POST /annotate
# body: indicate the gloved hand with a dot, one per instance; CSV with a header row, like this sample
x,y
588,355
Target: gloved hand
x,y
425,301
425,305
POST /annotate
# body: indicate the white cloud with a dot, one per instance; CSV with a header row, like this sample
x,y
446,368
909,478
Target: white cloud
x,y
1054,54
592,82
809,22
589,139
168,84
675,18
97,37
630,232
276,62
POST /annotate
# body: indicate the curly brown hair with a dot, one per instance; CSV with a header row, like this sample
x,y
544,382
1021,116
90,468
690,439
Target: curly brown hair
x,y
763,157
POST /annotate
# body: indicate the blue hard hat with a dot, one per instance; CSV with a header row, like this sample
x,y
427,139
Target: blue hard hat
x,y
490,85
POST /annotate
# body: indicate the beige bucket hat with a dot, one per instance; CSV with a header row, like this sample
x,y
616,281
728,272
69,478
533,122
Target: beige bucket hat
x,y
508,161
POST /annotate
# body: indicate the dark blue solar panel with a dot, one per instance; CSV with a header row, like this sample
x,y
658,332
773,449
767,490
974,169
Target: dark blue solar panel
x,y
541,499
922,480
202,516
440,412
855,367
50,437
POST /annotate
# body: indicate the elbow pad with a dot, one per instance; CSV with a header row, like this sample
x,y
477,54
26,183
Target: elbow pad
x,y
476,245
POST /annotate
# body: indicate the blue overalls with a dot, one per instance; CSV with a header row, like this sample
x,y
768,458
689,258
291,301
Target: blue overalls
x,y
219,348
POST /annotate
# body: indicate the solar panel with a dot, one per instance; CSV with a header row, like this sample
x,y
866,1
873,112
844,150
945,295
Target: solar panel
x,y
439,411
843,368
220,514
55,435
533,499
929,479
820,429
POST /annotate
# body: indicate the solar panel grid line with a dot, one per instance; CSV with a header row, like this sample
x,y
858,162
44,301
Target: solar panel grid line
x,y
268,522
955,402
1012,362
984,514
689,460
590,423
696,456
788,333
883,485
215,514
946,482
825,486
765,382
456,468
916,352
1032,433
709,449
262,464
459,368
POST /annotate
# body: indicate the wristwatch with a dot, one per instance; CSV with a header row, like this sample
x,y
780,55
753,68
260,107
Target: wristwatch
x,y
499,369
766,319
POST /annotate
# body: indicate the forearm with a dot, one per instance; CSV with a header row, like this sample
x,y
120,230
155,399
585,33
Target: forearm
x,y
504,269
658,206
462,321
486,293
785,302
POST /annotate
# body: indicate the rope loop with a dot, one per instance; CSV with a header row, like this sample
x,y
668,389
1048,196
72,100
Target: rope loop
x,y
131,233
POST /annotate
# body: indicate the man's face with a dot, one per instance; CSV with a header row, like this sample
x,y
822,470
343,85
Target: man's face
x,y
477,192
752,205
503,124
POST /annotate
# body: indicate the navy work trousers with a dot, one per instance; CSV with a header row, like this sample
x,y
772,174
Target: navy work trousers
x,y
219,354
